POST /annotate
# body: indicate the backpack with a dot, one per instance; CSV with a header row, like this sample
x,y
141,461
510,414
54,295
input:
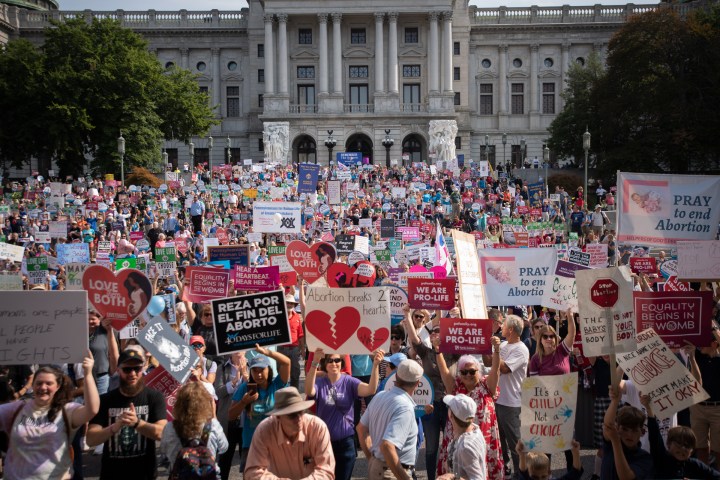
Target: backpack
x,y
195,460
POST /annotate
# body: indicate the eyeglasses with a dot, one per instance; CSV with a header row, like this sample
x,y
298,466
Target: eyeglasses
x,y
207,314
128,370
548,337
334,360
395,337
470,371
197,346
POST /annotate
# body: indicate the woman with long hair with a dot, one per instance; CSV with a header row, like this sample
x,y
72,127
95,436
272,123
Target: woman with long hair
x,y
483,390
40,431
194,418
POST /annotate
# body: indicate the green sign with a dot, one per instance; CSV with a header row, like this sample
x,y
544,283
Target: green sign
x,y
394,245
37,268
123,263
166,254
383,255
276,250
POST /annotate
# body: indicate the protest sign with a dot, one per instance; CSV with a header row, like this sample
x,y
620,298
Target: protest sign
x,y
660,210
73,253
470,283
424,393
347,320
643,265
222,235
404,277
308,177
547,416
169,348
657,372
516,276
130,330
254,237
333,192
43,327
598,254
235,254
387,228
120,297
310,261
160,379
464,335
259,279
676,316
607,314
14,253
563,294
11,281
258,318
58,229
362,245
42,237
277,217
37,270
287,274
344,244
698,261
431,294
205,284
165,259
409,234
73,275
398,300
362,274
125,263
577,256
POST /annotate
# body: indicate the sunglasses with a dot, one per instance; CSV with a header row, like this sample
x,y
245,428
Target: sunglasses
x,y
137,369
418,315
435,330
197,345
207,314
548,337
395,337
470,371
334,360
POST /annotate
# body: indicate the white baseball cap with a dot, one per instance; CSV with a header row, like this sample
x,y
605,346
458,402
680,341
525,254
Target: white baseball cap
x,y
461,405
409,371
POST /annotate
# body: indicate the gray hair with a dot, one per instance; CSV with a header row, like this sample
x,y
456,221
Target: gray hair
x,y
515,323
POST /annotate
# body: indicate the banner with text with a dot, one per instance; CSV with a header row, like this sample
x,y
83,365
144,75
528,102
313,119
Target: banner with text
x,y
431,294
547,416
516,276
676,316
277,217
563,293
463,335
169,348
205,284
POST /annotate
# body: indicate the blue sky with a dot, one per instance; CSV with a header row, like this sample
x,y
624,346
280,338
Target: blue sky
x,y
237,4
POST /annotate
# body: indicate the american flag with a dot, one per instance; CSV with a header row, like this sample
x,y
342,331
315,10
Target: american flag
x,y
442,254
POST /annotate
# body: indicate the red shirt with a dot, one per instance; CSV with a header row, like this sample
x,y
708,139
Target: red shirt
x,y
296,329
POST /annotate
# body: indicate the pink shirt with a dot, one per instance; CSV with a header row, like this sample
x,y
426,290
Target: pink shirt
x,y
556,364
273,456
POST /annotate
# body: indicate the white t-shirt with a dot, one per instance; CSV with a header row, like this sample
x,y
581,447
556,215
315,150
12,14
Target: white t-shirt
x,y
516,356
632,397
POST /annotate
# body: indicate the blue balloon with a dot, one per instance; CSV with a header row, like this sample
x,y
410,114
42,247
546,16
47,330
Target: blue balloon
x,y
156,305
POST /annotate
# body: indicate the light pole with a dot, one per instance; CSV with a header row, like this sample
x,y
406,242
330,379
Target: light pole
x,y
586,147
121,151
330,143
504,142
546,161
191,150
487,148
387,143
522,152
210,147
229,147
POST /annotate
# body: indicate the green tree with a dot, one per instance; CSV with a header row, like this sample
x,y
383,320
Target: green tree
x,y
579,112
94,81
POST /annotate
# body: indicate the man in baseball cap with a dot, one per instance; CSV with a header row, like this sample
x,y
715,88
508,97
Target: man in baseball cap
x,y
290,443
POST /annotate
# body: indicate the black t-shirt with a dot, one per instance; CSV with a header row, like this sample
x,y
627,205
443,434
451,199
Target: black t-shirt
x,y
710,371
208,335
127,450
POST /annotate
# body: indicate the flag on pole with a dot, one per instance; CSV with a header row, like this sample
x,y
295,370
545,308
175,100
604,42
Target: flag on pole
x,y
442,254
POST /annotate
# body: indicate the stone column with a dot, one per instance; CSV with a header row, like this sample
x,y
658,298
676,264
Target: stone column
x,y
282,54
337,53
534,105
216,79
269,55
502,79
379,54
323,63
184,55
564,65
447,53
433,54
392,53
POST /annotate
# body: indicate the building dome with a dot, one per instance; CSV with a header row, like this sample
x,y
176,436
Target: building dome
x,y
45,5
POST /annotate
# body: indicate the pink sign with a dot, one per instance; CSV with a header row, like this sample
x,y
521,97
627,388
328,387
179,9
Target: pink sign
x,y
119,297
260,279
135,236
206,283
463,335
676,316
431,294
159,379
643,265
409,234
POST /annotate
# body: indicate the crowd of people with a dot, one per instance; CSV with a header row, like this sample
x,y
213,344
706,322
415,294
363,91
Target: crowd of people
x,y
249,406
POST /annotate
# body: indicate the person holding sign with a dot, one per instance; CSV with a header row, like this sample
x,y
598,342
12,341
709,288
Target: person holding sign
x,y
483,391
537,465
40,431
674,461
335,394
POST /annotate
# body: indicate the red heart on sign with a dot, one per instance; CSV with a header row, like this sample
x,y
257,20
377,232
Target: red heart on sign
x,y
372,342
341,275
332,331
310,261
120,298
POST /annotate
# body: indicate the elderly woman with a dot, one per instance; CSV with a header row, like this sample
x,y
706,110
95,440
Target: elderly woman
x,y
483,390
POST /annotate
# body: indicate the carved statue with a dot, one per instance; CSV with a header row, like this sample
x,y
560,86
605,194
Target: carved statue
x,y
276,139
442,139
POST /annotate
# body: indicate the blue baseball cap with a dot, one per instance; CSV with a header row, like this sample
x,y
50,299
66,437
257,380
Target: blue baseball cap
x,y
396,358
261,361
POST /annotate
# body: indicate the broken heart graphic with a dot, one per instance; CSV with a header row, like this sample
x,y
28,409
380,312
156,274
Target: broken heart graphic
x,y
370,340
333,332
341,275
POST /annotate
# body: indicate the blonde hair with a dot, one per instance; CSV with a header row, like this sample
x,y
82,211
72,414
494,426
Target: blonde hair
x,y
193,409
537,461
545,330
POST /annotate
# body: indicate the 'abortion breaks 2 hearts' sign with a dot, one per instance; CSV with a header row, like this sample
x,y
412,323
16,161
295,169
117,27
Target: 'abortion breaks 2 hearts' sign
x,y
351,321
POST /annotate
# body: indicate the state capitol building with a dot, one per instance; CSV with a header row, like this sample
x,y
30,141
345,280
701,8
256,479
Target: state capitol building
x,y
373,72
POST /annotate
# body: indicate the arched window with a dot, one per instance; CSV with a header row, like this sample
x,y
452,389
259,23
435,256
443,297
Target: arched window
x,y
412,150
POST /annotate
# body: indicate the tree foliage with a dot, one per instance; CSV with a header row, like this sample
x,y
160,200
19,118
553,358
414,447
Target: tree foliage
x,y
88,83
654,108
142,176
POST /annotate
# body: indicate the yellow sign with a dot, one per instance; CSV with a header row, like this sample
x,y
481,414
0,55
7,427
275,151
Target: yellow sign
x,y
250,193
109,176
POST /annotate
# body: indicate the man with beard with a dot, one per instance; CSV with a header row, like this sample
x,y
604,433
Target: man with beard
x,y
130,420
